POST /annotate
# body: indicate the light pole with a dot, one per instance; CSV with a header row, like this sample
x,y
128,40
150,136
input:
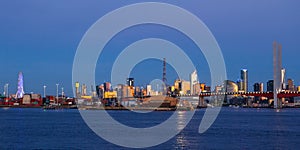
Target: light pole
x,y
62,91
44,90
57,93
7,94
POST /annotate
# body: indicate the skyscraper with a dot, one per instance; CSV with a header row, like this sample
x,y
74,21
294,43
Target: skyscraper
x,y
270,86
83,90
239,82
258,87
130,82
185,87
164,79
107,86
100,90
149,90
193,81
77,85
290,85
182,86
244,77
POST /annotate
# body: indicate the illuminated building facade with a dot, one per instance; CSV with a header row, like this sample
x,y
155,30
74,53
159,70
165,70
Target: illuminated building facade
x,y
20,92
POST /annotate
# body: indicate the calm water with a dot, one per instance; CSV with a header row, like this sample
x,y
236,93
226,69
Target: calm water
x,y
234,129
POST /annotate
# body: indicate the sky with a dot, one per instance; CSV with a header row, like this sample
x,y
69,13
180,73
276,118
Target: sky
x,y
40,38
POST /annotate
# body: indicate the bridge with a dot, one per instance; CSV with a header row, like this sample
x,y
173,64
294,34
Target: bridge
x,y
270,95
283,94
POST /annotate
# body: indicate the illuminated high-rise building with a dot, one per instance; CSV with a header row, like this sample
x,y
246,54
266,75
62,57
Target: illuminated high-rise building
x,y
100,90
20,91
83,90
239,82
77,85
193,82
107,86
270,86
258,87
149,90
119,90
244,77
290,85
185,87
182,86
177,84
130,82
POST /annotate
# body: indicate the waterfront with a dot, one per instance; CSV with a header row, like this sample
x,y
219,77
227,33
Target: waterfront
x,y
235,128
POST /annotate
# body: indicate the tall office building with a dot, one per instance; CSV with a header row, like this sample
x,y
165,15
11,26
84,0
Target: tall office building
x,y
290,85
83,90
270,86
107,86
177,84
77,85
185,87
149,90
130,82
197,89
244,77
193,82
239,82
182,86
119,90
100,90
258,87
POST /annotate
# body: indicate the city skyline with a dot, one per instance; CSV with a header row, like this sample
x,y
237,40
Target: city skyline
x,y
46,57
241,82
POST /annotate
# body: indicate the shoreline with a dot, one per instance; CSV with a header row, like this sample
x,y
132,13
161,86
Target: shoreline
x,y
124,108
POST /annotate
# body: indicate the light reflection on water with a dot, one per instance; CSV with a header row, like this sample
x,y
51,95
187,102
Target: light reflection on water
x,y
181,140
181,121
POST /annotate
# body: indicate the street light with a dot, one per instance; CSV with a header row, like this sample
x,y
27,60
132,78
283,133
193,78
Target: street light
x,y
4,90
62,91
45,90
7,94
57,93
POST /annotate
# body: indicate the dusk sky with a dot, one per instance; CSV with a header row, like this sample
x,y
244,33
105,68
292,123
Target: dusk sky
x,y
40,38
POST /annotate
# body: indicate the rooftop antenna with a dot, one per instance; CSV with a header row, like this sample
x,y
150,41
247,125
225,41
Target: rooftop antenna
x,y
164,79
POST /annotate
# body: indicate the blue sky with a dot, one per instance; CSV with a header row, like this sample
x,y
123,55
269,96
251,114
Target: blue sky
x,y
40,39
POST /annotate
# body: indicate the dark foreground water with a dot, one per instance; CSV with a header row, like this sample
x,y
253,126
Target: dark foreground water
x,y
234,129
